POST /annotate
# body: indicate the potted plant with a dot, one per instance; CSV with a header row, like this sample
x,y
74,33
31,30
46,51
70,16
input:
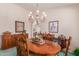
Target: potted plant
x,y
76,52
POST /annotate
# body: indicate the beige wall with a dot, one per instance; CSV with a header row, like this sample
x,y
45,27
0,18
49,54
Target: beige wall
x,y
68,18
9,13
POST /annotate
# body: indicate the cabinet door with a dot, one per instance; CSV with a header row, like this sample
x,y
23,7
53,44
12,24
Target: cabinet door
x,y
6,41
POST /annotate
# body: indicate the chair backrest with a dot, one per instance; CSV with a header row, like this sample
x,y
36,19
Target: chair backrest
x,y
22,44
62,40
68,42
48,36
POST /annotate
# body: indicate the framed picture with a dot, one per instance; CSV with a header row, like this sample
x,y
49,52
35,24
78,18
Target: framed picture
x,y
53,26
19,26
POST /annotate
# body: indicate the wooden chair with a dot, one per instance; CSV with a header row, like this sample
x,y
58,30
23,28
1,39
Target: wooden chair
x,y
48,36
64,52
68,45
22,46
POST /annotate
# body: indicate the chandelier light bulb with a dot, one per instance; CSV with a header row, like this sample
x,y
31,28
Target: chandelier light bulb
x,y
37,11
30,13
44,14
32,17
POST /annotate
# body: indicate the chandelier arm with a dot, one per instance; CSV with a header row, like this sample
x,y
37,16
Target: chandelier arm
x,y
37,6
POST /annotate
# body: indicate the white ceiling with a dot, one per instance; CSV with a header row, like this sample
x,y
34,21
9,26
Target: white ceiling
x,y
33,6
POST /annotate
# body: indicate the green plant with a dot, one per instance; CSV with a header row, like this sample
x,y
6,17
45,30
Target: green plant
x,y
76,52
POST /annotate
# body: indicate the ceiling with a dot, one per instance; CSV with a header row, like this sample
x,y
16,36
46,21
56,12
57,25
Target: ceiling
x,y
33,6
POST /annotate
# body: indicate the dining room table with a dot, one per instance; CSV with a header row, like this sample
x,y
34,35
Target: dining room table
x,y
49,48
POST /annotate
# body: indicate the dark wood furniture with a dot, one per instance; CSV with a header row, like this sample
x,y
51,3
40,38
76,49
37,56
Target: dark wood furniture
x,y
47,49
8,40
22,45
65,44
68,42
48,36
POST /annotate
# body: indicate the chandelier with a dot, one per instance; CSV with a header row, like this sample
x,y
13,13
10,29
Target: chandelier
x,y
37,15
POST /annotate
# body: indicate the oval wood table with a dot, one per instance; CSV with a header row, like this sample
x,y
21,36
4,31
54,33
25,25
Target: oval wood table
x,y
49,48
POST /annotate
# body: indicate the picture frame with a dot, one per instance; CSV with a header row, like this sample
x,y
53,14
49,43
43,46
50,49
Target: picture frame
x,y
19,26
53,26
